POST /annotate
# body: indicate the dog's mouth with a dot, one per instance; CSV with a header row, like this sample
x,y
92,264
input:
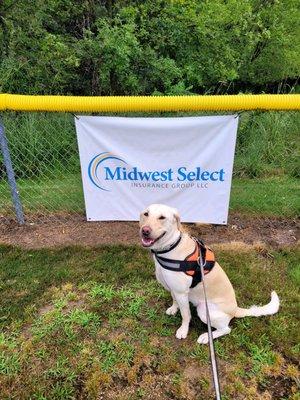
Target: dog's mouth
x,y
148,242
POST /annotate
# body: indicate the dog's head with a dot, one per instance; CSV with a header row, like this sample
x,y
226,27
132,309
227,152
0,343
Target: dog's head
x,y
159,226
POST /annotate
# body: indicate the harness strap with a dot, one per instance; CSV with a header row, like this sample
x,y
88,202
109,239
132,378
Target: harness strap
x,y
190,265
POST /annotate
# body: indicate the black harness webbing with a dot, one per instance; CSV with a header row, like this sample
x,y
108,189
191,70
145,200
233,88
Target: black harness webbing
x,y
169,248
190,264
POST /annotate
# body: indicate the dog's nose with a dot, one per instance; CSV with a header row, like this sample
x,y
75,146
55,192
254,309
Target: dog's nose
x,y
146,230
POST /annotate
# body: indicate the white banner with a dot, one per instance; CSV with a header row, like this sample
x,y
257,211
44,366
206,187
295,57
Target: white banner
x,y
129,163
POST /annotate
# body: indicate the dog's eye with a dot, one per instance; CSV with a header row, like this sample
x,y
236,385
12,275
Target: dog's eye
x,y
146,214
162,217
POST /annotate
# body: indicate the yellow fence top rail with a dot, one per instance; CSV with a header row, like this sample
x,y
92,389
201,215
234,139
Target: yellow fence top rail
x,y
16,102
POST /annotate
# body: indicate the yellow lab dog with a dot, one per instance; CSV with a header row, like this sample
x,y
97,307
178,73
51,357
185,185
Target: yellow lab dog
x,y
175,256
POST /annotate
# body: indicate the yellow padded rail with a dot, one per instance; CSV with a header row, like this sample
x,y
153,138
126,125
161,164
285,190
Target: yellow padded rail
x,y
16,102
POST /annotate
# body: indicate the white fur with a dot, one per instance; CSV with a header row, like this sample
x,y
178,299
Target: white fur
x,y
221,297
257,311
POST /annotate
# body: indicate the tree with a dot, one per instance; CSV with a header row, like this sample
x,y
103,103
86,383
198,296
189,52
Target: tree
x,y
144,47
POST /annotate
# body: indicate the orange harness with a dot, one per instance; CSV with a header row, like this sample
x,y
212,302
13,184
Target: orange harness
x,y
190,265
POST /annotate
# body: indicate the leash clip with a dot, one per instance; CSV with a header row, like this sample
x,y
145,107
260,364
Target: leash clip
x,y
200,262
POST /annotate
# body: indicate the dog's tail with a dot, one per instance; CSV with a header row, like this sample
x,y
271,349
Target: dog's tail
x,y
256,311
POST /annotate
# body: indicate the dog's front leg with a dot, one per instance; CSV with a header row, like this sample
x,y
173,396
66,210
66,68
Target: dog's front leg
x,y
174,307
182,300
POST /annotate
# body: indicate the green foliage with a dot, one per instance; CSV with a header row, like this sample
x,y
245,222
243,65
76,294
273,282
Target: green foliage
x,y
268,144
146,47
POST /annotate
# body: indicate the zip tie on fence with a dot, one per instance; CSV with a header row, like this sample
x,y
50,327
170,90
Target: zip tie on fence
x,y
239,113
16,102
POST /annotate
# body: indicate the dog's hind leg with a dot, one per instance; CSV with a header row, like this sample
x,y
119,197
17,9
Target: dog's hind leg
x,y
218,320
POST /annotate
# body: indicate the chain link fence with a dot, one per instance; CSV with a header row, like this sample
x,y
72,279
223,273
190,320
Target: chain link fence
x,y
45,159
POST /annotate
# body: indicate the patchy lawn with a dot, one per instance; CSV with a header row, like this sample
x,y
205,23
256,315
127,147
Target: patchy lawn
x,y
80,323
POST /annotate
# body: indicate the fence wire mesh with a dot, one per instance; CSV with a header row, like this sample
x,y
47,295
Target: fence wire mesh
x,y
44,153
45,159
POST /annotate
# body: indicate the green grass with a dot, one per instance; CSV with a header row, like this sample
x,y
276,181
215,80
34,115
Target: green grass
x,y
277,196
57,193
79,323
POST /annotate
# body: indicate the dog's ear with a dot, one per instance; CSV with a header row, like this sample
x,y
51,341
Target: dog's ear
x,y
177,218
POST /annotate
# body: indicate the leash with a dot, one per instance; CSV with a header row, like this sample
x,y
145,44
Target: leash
x,y
213,360
177,265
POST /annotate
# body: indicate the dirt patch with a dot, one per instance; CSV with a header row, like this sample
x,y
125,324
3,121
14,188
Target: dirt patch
x,y
74,230
279,388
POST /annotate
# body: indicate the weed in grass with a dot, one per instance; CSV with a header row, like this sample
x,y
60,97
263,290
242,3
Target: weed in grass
x,y
260,357
126,293
108,355
42,353
138,330
140,393
293,372
165,331
115,319
39,396
60,303
102,292
62,391
9,363
125,351
84,318
221,351
200,353
134,307
60,370
296,349
152,314
7,342
30,312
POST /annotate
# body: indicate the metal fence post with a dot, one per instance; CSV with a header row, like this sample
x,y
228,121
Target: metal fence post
x,y
11,176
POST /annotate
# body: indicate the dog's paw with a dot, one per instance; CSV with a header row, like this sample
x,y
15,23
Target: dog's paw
x,y
182,332
203,339
172,310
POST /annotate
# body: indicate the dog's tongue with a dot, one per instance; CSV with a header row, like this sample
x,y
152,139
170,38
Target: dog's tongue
x,y
147,241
